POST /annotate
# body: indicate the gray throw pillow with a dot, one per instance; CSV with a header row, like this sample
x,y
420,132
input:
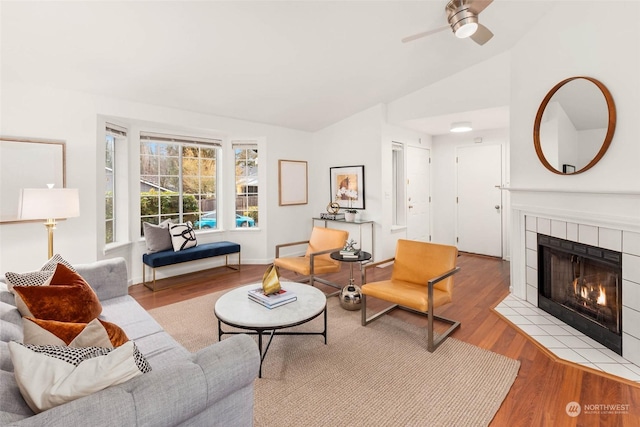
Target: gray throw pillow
x,y
157,236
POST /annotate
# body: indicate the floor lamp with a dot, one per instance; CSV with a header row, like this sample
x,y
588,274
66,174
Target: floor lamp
x,y
49,204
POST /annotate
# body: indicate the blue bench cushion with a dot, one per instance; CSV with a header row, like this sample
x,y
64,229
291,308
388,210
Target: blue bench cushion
x,y
206,250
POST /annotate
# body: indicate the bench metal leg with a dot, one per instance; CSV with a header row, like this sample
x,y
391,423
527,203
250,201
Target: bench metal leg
x,y
144,280
226,262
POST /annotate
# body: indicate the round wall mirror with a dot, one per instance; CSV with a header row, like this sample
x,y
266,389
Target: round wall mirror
x,y
574,125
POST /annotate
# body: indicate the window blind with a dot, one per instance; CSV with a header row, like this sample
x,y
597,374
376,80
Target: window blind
x,y
115,130
161,137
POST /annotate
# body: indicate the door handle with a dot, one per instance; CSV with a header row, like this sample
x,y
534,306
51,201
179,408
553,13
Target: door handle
x,y
497,207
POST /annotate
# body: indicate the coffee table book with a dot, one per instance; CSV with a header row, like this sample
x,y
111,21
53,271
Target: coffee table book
x,y
274,300
350,254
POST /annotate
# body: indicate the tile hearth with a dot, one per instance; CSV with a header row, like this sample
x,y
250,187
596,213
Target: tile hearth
x,y
564,341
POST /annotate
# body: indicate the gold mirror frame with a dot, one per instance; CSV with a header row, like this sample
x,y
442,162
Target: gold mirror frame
x,y
607,139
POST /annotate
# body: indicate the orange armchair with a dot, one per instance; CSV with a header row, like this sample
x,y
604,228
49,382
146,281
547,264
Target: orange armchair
x,y
316,260
421,280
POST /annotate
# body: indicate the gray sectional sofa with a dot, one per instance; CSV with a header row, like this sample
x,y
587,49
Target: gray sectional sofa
x,y
213,387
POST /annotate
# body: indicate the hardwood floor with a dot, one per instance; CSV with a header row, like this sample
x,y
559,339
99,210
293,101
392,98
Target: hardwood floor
x,y
544,386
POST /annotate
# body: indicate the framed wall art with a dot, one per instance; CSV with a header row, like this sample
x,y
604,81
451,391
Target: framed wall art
x,y
292,182
28,163
347,186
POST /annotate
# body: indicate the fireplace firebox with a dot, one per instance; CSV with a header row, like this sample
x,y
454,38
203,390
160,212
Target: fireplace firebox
x,y
581,285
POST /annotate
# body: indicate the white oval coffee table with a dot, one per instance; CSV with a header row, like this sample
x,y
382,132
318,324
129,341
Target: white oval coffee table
x,y
236,309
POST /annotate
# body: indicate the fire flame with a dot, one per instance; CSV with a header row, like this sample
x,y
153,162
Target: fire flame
x,y
584,292
602,297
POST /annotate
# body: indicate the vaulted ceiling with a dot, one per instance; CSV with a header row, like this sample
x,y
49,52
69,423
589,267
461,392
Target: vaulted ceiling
x,y
298,64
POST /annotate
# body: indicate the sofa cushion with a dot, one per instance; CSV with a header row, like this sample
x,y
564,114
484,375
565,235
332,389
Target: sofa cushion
x,y
96,333
157,237
68,298
49,376
13,406
182,236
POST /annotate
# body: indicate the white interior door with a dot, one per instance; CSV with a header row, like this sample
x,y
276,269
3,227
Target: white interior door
x,y
479,199
418,191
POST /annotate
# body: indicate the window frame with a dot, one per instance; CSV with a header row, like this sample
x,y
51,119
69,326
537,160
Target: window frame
x,y
252,213
119,185
182,142
398,186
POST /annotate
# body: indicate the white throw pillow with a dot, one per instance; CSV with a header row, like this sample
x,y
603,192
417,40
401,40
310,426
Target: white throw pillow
x,y
49,376
182,236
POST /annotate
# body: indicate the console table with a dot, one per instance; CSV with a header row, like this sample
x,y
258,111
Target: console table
x,y
368,244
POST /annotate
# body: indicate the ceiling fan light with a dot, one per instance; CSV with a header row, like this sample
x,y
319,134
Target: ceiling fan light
x,y
463,21
466,30
458,127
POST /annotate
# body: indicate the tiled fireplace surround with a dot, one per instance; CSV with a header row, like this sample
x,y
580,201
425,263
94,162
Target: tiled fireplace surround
x,y
627,242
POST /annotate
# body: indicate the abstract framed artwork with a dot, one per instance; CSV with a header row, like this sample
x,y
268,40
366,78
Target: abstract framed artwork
x,y
292,182
347,186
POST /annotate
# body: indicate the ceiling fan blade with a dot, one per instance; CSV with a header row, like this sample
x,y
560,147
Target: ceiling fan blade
x,y
477,6
424,34
482,35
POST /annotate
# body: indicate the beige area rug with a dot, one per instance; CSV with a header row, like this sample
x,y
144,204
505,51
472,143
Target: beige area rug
x,y
379,375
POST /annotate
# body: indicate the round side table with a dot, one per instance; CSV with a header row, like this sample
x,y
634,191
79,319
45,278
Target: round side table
x,y
351,295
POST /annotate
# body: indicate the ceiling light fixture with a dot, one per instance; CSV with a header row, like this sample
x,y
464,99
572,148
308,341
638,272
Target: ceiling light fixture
x,y
459,127
464,22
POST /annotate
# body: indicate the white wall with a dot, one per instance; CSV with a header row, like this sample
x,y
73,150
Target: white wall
x,y
484,85
39,112
565,44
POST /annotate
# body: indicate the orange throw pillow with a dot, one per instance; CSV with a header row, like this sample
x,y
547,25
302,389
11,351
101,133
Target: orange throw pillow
x,y
68,298
97,333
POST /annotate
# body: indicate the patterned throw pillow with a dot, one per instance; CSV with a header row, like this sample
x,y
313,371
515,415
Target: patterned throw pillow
x,y
53,263
36,278
182,236
33,278
49,375
97,333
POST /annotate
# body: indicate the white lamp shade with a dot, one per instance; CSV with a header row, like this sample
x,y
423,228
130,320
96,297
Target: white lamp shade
x,y
45,203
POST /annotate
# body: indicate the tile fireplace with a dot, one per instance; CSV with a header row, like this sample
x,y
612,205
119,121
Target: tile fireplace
x,y
613,243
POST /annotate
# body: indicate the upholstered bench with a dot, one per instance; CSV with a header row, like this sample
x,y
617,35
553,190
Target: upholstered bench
x,y
205,250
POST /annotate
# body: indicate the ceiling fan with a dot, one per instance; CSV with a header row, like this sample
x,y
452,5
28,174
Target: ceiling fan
x,y
463,21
